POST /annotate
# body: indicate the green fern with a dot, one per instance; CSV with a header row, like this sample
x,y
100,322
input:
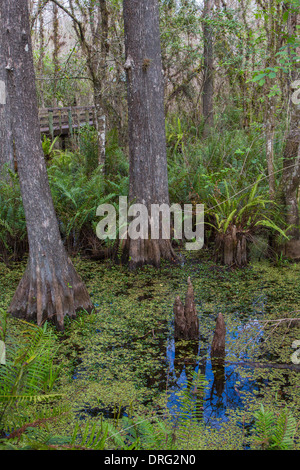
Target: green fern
x,y
91,436
140,433
29,428
274,431
191,398
29,373
13,234
246,213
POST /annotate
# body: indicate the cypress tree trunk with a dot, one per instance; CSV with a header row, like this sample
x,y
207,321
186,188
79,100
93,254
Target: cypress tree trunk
x,y
6,141
208,59
270,136
148,178
291,181
50,287
100,122
231,247
291,155
40,65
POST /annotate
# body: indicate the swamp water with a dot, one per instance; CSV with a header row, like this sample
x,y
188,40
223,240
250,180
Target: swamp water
x,y
130,364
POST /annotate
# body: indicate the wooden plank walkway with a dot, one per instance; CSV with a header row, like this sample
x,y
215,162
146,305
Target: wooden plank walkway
x,y
64,121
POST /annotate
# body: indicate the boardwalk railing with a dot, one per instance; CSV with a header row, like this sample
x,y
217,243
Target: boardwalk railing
x,y
64,121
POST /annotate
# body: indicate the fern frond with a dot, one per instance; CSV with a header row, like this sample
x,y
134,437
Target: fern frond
x,y
274,432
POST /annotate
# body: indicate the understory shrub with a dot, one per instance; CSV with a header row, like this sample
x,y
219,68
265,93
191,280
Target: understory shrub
x,y
13,234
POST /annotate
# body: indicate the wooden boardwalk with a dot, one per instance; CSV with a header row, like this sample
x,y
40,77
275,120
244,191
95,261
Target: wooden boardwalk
x,y
65,121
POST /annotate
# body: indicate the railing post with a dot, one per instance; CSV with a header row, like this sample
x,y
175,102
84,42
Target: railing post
x,y
60,124
50,118
87,117
70,121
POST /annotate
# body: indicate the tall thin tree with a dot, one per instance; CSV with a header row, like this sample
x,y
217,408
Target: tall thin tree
x,y
291,154
208,60
91,25
50,287
6,141
56,48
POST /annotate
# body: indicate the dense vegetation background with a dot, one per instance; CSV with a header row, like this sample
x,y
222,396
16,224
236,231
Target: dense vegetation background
x,y
228,69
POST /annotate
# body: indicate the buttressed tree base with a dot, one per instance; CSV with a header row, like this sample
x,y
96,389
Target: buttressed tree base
x,y
50,287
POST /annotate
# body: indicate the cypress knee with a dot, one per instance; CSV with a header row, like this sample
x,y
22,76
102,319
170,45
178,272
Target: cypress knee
x,y
186,318
218,343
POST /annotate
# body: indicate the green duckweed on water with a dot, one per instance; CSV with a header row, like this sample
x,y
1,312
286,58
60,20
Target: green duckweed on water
x,y
122,361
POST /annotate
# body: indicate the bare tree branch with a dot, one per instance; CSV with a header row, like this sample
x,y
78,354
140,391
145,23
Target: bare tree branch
x,y
39,10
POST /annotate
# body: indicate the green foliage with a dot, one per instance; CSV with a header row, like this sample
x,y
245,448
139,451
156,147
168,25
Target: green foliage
x,y
229,155
66,88
274,431
175,135
191,399
3,323
147,434
48,146
29,373
31,429
88,148
28,402
76,196
247,212
13,234
116,166
97,389
78,186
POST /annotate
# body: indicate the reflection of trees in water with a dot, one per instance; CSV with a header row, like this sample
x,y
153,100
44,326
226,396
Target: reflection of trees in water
x,y
218,366
185,374
157,376
223,393
227,384
230,384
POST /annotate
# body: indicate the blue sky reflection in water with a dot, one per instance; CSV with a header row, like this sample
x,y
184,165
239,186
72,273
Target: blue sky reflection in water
x,y
226,388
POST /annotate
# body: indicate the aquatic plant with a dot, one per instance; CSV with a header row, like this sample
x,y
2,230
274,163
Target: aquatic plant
x,y
237,218
274,431
29,373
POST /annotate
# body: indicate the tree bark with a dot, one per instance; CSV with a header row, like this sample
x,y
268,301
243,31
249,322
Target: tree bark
x,y
148,177
6,140
50,287
98,72
270,135
271,23
100,122
291,156
41,65
185,316
291,181
218,343
191,313
208,85
231,247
